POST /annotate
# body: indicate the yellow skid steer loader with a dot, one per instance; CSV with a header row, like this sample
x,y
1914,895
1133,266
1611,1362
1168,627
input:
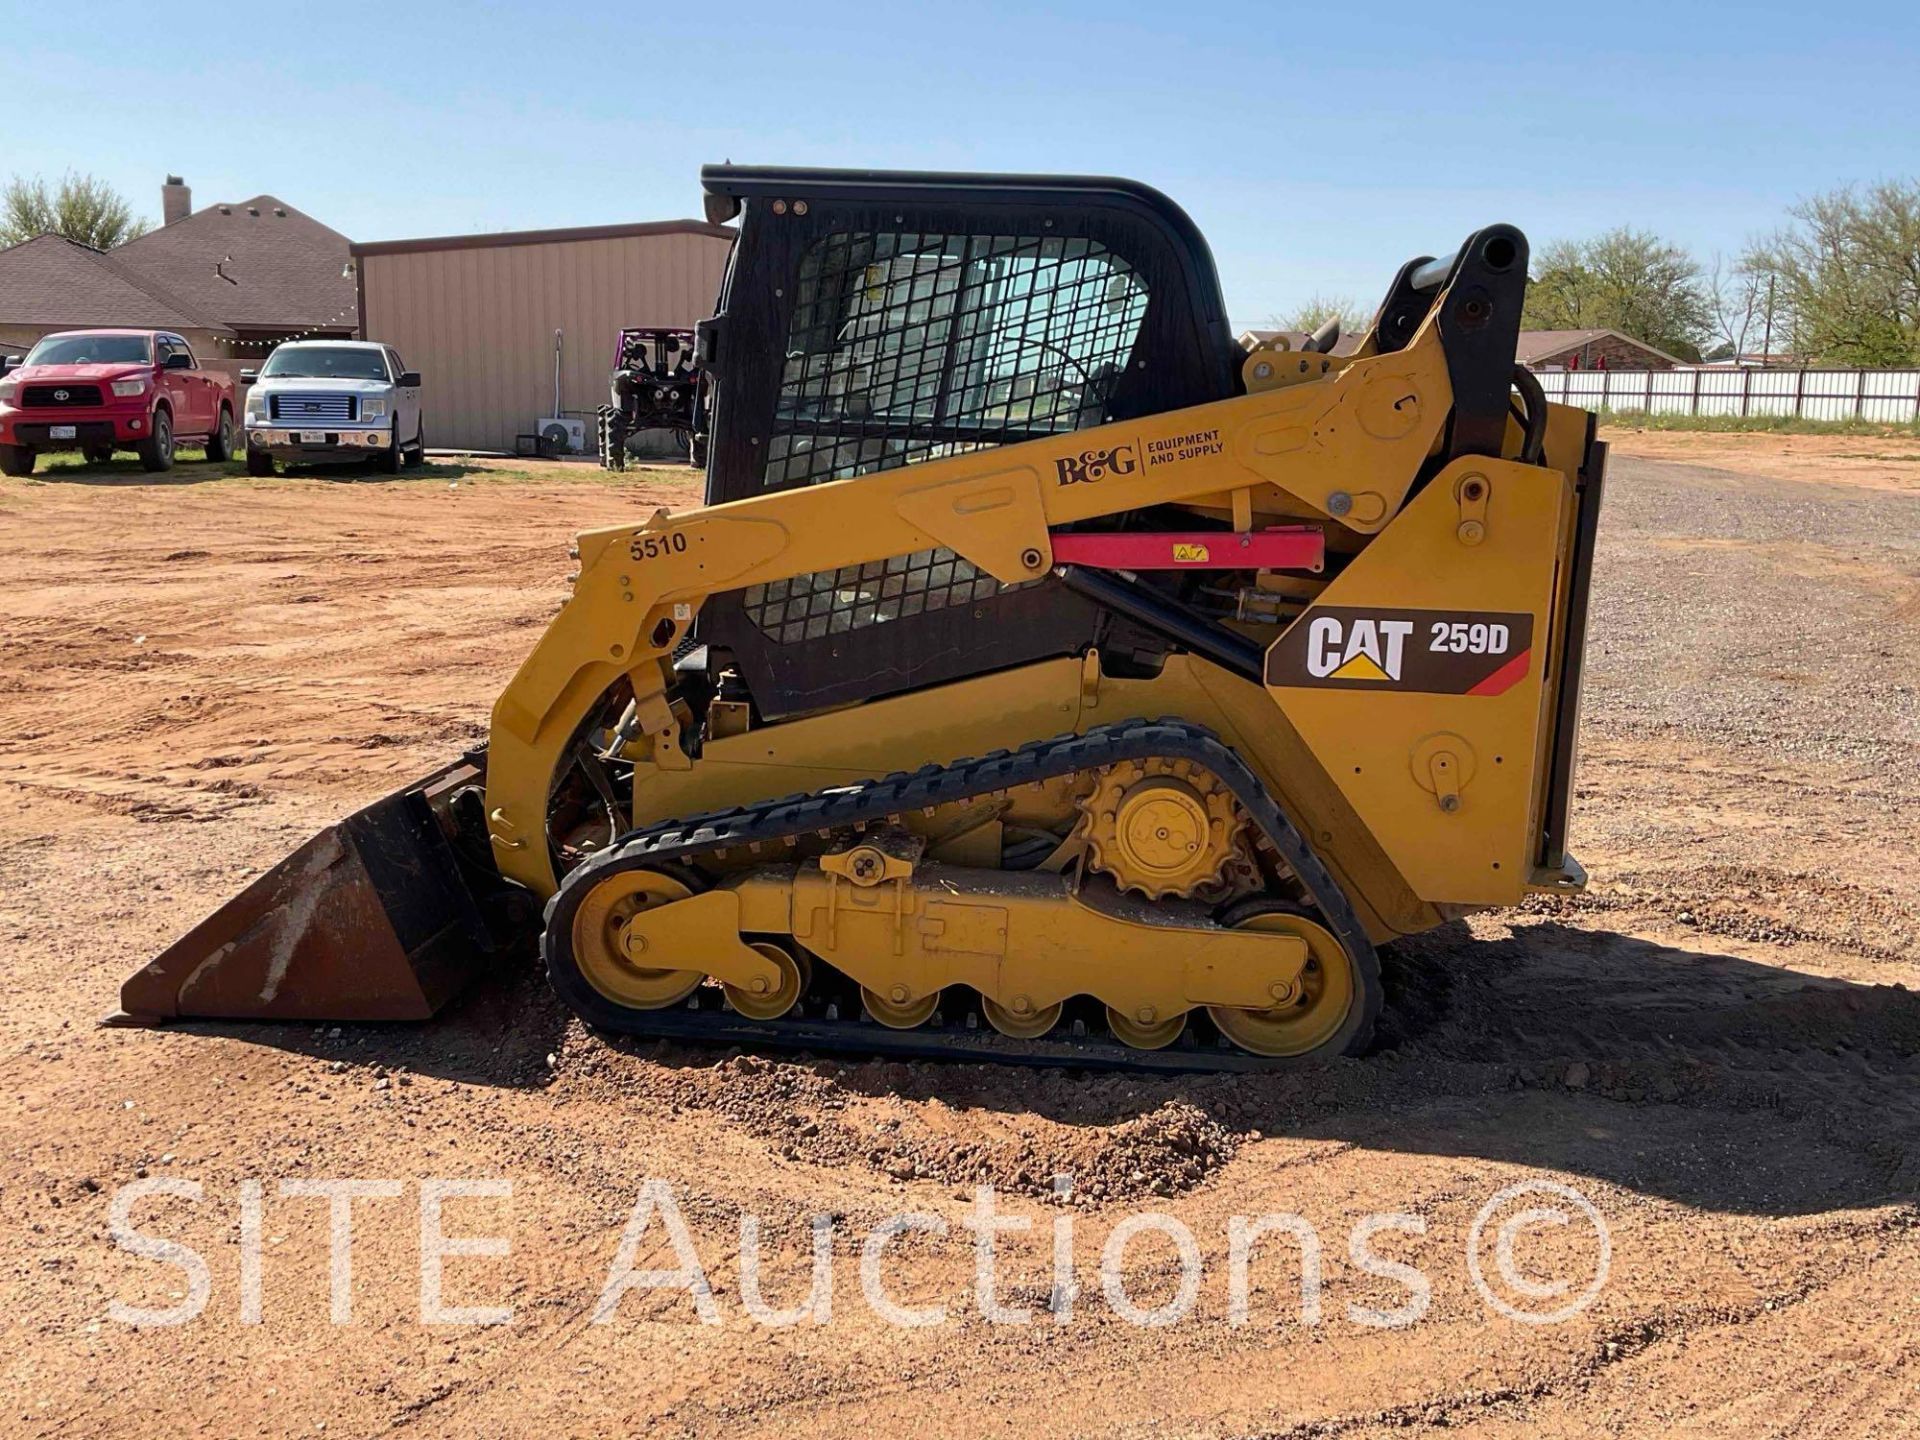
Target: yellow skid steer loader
x,y
1047,677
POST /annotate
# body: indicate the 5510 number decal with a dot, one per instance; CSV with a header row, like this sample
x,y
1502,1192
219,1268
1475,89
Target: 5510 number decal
x,y
652,547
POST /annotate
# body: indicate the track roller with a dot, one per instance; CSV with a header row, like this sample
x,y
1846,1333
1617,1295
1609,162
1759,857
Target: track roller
x,y
796,973
898,1011
1020,1019
1147,1032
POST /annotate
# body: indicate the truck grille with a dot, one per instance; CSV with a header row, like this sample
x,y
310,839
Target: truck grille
x,y
297,409
56,395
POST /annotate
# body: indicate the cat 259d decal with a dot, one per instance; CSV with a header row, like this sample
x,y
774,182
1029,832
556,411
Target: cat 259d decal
x,y
1436,652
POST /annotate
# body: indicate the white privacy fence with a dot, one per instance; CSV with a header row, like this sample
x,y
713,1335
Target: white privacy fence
x,y
1887,396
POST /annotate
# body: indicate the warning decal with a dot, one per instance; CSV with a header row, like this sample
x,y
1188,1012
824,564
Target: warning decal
x,y
1439,652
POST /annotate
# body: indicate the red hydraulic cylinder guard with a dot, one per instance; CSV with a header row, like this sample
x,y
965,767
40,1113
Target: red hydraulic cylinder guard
x,y
1285,547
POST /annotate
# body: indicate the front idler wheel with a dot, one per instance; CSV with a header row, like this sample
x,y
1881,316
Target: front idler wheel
x,y
611,961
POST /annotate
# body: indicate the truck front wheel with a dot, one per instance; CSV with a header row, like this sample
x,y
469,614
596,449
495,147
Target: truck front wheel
x,y
259,462
156,451
16,460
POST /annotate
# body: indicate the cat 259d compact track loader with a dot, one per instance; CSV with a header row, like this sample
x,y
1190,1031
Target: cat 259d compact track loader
x,y
1046,677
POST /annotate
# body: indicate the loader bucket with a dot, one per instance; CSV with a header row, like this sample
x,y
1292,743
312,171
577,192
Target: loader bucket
x,y
384,916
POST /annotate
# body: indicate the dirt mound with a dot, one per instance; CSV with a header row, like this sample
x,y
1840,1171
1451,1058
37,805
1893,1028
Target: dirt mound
x,y
917,1122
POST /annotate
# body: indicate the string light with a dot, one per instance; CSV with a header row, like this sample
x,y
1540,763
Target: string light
x,y
330,323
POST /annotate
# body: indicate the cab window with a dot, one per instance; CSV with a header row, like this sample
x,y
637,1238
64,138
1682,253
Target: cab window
x,y
908,347
325,362
88,349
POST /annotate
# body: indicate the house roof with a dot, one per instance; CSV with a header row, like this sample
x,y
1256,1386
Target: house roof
x,y
1538,345
53,281
546,237
251,264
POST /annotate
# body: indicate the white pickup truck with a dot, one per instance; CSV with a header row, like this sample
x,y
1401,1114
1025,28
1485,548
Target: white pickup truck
x,y
333,401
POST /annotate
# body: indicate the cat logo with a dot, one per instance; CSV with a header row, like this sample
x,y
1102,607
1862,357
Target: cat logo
x,y
1091,465
1436,652
1359,649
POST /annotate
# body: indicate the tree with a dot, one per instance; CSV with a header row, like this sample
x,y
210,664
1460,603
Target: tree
x,y
1317,309
1847,269
1745,309
83,209
1627,280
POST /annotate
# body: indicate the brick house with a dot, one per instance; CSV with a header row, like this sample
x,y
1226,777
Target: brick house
x,y
1590,350
52,283
235,279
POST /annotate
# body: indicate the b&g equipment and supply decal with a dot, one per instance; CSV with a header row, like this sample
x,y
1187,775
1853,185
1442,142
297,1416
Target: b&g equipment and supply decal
x,y
1437,652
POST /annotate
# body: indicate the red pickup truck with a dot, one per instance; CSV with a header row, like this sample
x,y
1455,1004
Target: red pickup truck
x,y
97,391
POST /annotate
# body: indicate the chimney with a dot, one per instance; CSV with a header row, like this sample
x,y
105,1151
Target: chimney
x,y
176,200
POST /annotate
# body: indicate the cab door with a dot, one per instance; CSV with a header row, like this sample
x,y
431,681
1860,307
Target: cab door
x,y
206,395
406,401
185,395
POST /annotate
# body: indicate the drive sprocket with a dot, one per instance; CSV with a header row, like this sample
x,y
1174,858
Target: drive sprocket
x,y
1161,826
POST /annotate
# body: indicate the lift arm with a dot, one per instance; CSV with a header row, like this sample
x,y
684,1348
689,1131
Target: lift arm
x,y
1349,445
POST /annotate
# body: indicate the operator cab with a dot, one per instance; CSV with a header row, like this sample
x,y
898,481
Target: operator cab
x,y
870,320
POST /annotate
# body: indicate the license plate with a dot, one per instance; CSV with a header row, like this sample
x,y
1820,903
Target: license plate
x,y
313,437
63,432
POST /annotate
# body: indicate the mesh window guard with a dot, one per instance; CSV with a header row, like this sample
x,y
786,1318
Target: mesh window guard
x,y
907,347
831,602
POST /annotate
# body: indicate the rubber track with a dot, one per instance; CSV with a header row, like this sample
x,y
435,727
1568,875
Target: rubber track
x,y
874,801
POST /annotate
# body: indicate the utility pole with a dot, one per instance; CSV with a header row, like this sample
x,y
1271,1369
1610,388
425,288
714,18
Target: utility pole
x,y
1766,345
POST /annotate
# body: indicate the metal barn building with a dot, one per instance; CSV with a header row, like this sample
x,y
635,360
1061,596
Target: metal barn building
x,y
494,323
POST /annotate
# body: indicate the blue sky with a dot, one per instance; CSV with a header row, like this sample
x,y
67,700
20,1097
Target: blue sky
x,y
1316,145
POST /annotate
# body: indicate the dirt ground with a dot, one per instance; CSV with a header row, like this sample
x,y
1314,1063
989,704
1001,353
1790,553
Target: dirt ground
x,y
1884,462
1718,1047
